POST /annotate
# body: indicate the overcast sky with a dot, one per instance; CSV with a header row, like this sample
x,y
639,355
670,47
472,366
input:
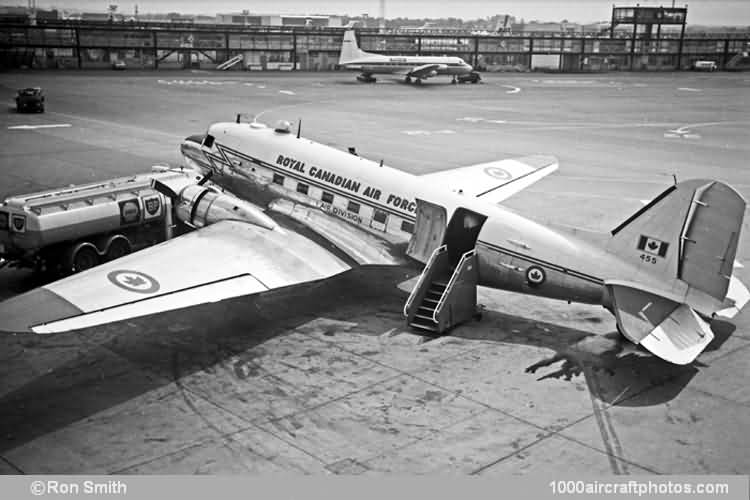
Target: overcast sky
x,y
728,12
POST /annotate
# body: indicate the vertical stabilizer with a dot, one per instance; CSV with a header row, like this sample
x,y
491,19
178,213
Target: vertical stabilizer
x,y
349,48
688,233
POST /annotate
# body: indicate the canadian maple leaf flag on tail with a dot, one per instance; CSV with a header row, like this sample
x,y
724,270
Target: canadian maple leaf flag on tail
x,y
653,246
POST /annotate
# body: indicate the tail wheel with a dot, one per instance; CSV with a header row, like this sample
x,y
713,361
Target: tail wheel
x,y
118,248
85,258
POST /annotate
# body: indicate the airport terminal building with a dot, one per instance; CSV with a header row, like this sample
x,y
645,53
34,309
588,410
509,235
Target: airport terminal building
x,y
635,41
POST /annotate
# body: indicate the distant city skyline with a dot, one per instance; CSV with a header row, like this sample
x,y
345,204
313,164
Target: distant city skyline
x,y
709,12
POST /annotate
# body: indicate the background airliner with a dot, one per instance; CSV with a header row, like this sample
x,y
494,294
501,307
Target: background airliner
x,y
411,67
302,211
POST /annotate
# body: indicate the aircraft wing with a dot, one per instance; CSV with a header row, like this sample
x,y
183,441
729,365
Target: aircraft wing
x,y
425,71
495,181
223,260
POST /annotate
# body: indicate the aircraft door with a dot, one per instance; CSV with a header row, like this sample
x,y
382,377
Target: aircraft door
x,y
429,230
462,233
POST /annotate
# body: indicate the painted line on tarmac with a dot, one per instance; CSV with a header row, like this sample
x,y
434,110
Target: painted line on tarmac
x,y
117,125
287,92
34,127
477,119
513,90
580,194
427,132
689,89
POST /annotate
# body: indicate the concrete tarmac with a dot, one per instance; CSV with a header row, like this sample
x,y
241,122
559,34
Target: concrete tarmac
x,y
327,378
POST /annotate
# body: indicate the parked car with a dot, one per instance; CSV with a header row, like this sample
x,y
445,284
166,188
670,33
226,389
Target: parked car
x,y
472,77
705,66
30,99
119,64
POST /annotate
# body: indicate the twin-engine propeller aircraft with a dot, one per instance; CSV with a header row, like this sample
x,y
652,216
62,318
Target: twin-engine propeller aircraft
x,y
295,211
417,68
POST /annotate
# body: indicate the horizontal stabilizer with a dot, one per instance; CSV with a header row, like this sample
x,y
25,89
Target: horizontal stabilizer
x,y
495,181
680,338
737,297
670,330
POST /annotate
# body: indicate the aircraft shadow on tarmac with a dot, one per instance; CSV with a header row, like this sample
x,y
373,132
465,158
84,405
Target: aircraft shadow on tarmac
x,y
105,366
400,81
50,382
616,371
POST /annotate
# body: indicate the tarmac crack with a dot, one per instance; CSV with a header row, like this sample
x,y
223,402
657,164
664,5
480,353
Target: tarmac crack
x,y
12,465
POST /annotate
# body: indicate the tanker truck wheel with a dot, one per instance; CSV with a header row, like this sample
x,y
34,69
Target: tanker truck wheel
x,y
118,247
84,257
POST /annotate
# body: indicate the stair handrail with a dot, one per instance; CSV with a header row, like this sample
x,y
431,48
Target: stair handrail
x,y
230,62
418,286
451,283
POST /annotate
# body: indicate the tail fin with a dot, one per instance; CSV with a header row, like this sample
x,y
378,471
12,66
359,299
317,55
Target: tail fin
x,y
688,233
683,246
349,48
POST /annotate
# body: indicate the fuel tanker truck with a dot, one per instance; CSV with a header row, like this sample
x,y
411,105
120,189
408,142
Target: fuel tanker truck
x,y
68,230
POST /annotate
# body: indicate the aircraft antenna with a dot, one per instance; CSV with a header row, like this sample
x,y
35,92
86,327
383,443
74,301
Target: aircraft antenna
x,y
299,127
674,176
381,162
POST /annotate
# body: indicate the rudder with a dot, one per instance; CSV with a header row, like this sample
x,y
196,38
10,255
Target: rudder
x,y
689,232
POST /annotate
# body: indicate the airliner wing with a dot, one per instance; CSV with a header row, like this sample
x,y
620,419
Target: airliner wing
x,y
425,71
223,260
497,180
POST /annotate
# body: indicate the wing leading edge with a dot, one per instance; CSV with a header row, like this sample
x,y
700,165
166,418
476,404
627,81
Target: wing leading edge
x,y
224,260
425,71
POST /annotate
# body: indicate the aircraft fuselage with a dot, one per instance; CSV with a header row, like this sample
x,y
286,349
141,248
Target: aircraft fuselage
x,y
515,253
380,64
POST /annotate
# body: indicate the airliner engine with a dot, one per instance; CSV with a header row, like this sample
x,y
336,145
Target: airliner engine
x,y
198,205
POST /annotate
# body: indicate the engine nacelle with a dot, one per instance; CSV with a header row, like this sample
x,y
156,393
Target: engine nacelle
x,y
200,206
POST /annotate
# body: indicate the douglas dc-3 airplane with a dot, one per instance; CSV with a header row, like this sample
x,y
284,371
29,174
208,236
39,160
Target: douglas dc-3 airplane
x,y
416,67
295,211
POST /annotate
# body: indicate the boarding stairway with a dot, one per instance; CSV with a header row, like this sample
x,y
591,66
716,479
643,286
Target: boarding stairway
x,y
444,295
229,63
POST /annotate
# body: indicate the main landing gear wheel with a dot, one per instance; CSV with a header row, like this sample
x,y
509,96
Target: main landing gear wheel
x,y
407,79
366,78
454,81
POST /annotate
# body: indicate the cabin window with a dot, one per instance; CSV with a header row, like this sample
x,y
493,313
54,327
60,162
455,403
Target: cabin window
x,y
327,197
379,216
302,188
353,207
407,227
278,179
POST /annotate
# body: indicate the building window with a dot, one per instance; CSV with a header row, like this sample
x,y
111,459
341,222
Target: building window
x,y
407,227
302,188
327,197
353,206
380,216
278,179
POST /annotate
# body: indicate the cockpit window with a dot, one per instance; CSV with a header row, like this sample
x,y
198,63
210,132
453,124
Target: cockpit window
x,y
208,141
